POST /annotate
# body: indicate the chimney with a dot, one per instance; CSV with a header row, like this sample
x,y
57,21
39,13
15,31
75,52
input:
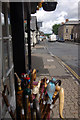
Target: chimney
x,y
62,23
67,20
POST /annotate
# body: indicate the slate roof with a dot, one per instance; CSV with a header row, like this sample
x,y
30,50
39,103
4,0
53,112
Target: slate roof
x,y
72,23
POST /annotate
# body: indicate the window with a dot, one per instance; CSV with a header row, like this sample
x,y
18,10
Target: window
x,y
66,30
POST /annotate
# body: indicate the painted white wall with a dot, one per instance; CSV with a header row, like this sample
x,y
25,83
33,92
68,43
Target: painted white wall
x,y
33,38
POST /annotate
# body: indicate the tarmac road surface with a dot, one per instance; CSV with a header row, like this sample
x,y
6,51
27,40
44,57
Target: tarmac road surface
x,y
68,52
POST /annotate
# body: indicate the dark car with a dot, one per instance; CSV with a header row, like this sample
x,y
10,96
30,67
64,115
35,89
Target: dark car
x,y
61,40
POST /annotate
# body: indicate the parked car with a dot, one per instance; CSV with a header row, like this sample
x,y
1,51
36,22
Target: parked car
x,y
61,40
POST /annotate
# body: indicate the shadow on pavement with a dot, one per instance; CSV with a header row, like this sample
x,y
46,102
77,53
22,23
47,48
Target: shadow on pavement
x,y
37,63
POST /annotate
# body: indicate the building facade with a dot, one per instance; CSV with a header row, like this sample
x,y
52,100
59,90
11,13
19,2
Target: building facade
x,y
65,31
76,33
34,31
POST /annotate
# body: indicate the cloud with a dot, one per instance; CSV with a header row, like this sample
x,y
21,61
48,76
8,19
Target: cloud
x,y
65,9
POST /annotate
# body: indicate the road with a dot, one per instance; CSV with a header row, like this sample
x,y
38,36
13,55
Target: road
x,y
67,52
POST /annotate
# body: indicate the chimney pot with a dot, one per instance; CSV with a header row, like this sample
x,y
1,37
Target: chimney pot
x,y
67,20
62,23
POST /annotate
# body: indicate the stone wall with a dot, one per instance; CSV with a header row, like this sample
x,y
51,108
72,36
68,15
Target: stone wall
x,y
67,35
76,33
61,32
69,32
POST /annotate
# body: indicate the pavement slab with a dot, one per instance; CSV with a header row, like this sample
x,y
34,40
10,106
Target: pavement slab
x,y
48,66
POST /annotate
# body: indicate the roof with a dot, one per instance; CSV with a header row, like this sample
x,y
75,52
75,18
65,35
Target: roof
x,y
71,23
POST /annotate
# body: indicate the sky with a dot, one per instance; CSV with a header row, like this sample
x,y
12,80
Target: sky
x,y
66,9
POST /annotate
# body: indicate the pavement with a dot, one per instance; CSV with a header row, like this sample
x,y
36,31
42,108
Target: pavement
x,y
47,65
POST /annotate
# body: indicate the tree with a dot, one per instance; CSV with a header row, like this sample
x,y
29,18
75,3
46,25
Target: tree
x,y
55,28
47,35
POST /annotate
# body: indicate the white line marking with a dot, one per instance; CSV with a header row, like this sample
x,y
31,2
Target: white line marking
x,y
62,62
71,75
65,69
50,60
77,82
73,78
68,71
62,65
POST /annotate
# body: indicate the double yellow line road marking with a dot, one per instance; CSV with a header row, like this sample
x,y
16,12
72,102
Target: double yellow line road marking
x,y
75,75
72,71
